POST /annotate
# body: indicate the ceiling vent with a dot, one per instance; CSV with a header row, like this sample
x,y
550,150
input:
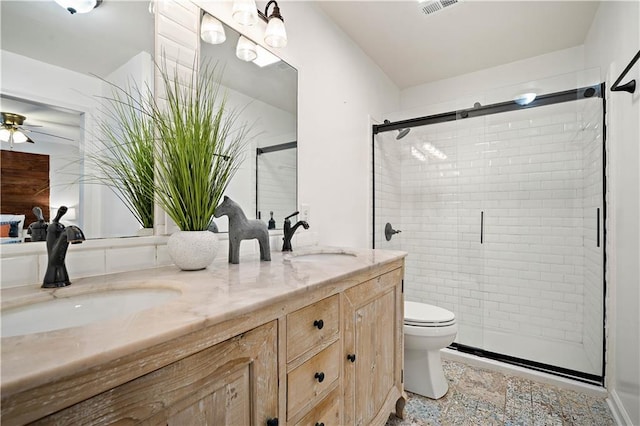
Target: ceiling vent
x,y
433,6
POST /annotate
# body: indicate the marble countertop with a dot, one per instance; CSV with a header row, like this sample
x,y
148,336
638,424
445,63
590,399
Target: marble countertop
x,y
216,294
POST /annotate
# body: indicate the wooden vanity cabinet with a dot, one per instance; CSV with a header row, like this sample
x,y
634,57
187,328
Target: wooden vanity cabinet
x,y
232,383
330,356
373,343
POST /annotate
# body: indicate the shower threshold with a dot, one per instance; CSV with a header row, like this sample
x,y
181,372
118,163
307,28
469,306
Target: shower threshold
x,y
555,370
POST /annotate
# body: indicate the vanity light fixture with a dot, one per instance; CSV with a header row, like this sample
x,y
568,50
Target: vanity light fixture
x,y
246,49
211,30
79,6
245,12
275,35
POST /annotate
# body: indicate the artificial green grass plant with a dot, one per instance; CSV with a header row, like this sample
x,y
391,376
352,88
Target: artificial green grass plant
x,y
124,160
199,143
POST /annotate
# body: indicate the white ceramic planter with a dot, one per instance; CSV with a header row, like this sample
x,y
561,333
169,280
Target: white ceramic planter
x,y
192,250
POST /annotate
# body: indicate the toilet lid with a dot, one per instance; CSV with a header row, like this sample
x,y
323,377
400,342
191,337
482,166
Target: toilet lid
x,y
424,314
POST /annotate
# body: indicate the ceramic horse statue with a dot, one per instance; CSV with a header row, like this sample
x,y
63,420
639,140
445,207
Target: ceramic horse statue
x,y
241,228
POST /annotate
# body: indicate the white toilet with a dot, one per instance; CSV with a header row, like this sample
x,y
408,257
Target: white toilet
x,y
427,329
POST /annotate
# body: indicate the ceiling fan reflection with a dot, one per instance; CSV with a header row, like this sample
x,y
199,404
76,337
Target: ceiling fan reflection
x,y
13,130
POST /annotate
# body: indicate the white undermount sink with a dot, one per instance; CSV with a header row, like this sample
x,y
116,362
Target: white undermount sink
x,y
81,309
321,256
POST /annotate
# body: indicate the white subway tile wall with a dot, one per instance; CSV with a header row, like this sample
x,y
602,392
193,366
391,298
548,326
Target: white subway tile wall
x,y
534,179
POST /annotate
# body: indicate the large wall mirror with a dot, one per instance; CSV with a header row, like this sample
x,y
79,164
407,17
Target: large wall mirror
x,y
53,69
267,94
53,66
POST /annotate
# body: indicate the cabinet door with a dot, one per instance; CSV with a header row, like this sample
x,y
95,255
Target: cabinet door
x,y
232,383
373,333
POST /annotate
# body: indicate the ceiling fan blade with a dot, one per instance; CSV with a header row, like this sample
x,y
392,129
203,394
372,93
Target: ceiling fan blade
x,y
49,134
32,125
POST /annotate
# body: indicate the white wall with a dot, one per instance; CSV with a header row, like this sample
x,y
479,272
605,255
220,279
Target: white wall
x,y
611,43
37,81
339,86
136,72
550,72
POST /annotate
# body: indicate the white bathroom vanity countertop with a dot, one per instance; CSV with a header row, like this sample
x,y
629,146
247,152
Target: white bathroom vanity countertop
x,y
220,293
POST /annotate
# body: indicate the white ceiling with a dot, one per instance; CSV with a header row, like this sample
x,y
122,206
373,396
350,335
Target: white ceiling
x,y
93,43
413,48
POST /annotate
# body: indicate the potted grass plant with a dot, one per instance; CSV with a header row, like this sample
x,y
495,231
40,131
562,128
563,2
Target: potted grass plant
x,y
199,145
181,151
124,157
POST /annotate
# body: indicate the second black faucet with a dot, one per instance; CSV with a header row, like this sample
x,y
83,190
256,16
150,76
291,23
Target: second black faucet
x,y
290,230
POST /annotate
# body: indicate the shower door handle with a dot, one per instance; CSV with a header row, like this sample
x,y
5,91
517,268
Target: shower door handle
x,y
481,227
598,227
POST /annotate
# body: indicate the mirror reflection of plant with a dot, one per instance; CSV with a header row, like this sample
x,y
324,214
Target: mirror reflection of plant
x,y
199,145
124,160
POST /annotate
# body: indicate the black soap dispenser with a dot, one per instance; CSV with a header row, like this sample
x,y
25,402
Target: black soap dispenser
x,y
272,223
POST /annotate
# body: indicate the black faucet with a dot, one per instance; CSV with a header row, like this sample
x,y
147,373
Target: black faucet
x,y
290,230
58,239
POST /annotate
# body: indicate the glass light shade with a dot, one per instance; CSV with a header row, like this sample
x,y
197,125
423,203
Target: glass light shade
x,y
275,35
78,6
211,30
246,49
245,12
5,134
19,137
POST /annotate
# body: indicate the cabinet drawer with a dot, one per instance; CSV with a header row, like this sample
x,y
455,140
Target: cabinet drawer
x,y
309,327
311,379
326,413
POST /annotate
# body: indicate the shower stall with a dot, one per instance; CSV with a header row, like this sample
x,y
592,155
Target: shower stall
x,y
501,209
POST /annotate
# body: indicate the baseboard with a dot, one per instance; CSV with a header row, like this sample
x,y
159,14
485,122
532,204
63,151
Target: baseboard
x,y
620,415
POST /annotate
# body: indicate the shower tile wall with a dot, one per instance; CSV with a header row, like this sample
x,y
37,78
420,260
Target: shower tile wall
x,y
536,181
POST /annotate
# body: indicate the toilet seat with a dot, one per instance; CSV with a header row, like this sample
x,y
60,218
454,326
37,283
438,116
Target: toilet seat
x,y
425,315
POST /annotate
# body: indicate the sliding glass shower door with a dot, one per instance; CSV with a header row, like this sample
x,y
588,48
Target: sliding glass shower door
x,y
501,210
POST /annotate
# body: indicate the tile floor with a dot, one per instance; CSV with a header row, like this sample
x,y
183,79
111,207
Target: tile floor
x,y
482,397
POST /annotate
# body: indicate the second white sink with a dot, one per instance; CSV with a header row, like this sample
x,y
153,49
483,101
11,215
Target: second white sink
x,y
81,309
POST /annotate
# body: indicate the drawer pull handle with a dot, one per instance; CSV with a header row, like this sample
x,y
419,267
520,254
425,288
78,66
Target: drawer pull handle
x,y
272,422
351,357
320,377
319,324
319,424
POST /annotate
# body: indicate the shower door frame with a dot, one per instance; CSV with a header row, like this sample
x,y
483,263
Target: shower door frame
x,y
597,90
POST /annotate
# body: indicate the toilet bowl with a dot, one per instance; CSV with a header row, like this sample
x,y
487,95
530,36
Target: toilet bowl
x,y
427,329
